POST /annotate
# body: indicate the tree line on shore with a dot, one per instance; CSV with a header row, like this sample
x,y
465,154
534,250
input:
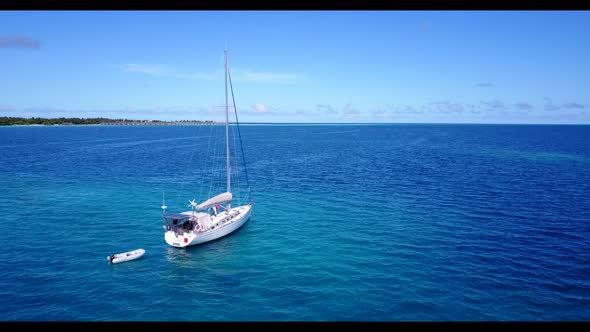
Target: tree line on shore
x,y
13,121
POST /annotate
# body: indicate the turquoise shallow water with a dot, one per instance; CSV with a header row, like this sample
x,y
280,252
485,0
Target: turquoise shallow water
x,y
367,222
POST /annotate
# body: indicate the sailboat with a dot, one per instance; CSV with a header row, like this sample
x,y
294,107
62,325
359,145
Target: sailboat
x,y
215,217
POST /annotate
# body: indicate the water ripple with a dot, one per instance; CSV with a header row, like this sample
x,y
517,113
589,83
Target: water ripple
x,y
370,223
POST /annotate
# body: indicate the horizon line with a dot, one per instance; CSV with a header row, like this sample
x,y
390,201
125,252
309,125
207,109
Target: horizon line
x,y
294,123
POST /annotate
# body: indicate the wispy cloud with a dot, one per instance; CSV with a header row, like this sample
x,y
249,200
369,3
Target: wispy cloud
x,y
383,112
177,111
149,69
4,108
18,42
484,85
474,109
220,109
129,112
445,107
404,110
441,111
236,74
350,113
494,105
213,76
574,105
523,106
550,106
261,108
301,112
325,108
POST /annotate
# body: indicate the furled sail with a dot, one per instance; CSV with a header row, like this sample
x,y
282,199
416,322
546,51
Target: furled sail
x,y
219,199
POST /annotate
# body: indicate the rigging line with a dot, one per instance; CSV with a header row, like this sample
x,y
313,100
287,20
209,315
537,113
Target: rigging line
x,y
239,133
210,161
239,169
213,175
238,165
236,173
205,165
198,132
218,178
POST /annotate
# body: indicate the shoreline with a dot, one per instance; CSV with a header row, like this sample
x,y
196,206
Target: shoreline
x,y
62,121
117,124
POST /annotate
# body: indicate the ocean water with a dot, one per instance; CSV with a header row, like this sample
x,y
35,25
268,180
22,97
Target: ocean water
x,y
350,223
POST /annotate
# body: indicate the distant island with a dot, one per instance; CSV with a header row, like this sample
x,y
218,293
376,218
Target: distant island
x,y
14,121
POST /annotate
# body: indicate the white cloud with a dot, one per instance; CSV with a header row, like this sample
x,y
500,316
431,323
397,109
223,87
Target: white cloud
x,y
350,113
326,108
237,75
573,105
380,113
494,105
18,41
149,69
5,108
524,106
549,106
260,108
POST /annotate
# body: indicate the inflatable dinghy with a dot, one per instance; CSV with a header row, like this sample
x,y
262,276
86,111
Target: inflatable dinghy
x,y
126,256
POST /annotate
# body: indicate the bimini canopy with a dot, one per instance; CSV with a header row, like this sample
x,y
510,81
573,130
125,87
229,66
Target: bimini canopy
x,y
219,199
178,218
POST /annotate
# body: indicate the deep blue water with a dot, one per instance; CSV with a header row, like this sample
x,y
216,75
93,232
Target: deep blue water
x,y
351,222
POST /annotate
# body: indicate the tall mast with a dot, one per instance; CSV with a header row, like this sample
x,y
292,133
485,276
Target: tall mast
x,y
226,126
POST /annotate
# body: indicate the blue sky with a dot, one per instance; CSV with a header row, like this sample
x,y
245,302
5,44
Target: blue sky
x,y
299,66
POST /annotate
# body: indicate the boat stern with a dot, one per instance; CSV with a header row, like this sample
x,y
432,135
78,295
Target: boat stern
x,y
179,241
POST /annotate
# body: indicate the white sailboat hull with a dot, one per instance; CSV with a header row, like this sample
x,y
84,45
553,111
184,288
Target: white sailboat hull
x,y
193,227
235,219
